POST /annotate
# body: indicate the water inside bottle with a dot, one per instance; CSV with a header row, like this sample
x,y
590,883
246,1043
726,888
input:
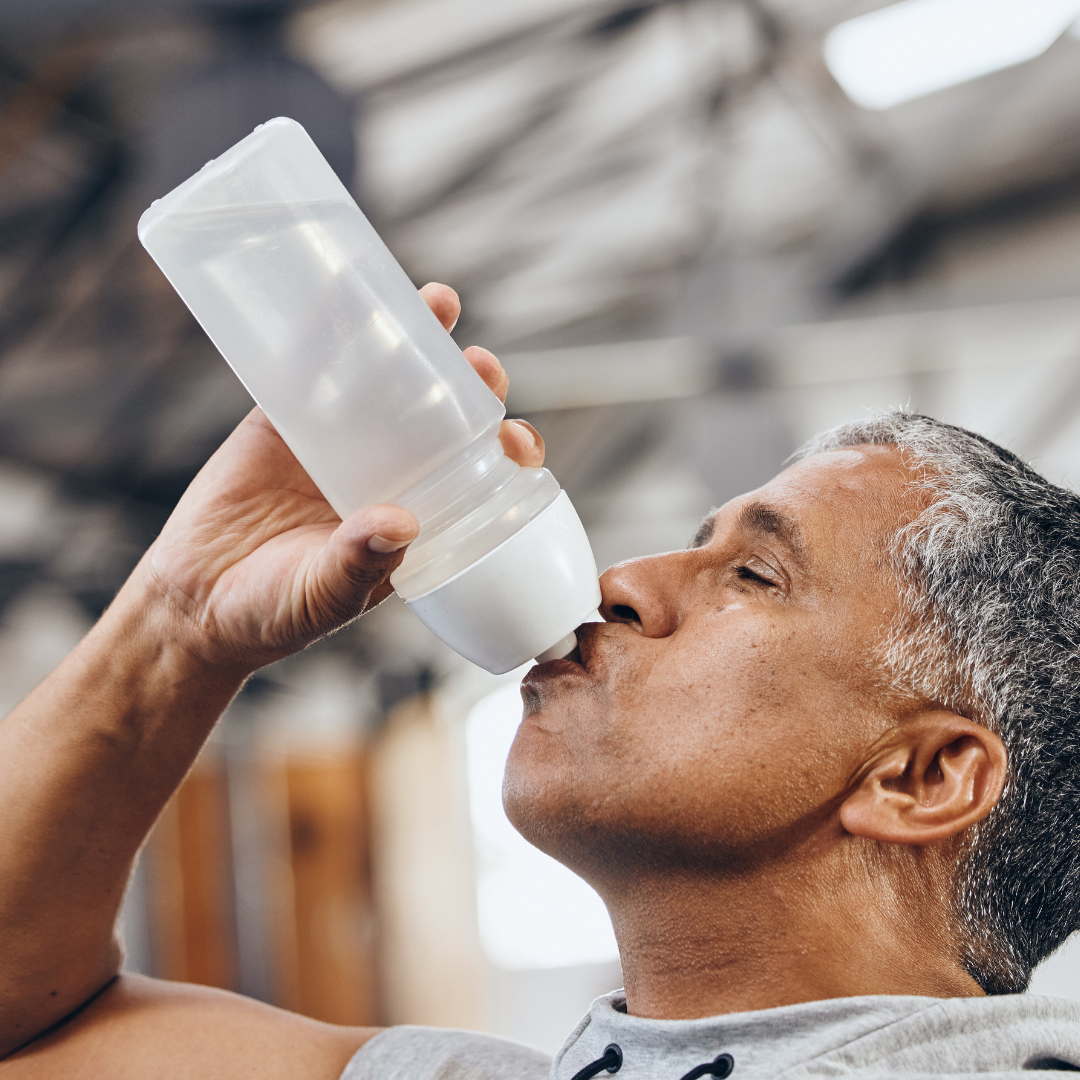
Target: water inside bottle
x,y
326,330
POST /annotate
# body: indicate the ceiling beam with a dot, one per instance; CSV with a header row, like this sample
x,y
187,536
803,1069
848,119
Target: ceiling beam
x,y
841,351
906,251
358,45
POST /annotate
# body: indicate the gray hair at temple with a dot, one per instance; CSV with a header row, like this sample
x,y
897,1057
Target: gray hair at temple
x,y
990,629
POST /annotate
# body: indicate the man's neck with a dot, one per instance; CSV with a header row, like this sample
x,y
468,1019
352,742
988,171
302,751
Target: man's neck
x,y
705,946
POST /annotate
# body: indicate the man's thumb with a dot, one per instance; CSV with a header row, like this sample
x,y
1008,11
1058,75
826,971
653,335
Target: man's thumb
x,y
361,554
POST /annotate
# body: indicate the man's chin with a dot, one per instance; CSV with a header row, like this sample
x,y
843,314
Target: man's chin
x,y
545,816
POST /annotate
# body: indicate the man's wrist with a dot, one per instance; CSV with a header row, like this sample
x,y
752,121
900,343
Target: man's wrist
x,y
151,654
177,627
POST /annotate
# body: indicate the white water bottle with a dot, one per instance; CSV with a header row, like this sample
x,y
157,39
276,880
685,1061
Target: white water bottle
x,y
295,288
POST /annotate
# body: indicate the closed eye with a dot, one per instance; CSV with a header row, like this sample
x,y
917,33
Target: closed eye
x,y
746,574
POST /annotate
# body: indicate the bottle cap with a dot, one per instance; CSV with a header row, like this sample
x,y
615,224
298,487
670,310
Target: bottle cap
x,y
523,598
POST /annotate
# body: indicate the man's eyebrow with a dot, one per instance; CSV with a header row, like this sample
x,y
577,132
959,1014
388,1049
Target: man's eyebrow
x,y
762,518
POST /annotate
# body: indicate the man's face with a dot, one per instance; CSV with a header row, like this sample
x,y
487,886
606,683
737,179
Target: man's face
x,y
716,718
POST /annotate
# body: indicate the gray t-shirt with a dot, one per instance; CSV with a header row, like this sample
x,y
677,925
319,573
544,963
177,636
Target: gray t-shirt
x,y
880,1037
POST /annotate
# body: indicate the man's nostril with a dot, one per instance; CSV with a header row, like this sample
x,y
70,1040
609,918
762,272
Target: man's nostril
x,y
623,611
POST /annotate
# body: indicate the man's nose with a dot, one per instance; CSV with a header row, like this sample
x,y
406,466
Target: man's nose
x,y
644,593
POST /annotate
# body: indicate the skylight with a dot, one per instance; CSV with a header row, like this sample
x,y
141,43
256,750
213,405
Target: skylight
x,y
912,48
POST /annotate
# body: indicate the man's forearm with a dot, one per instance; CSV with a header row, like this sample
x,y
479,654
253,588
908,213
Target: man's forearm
x,y
86,764
252,565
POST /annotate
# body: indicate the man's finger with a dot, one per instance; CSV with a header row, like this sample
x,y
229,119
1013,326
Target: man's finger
x,y
487,366
443,302
361,555
522,443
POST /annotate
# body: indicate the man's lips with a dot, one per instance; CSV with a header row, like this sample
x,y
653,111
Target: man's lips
x,y
566,666
590,636
576,664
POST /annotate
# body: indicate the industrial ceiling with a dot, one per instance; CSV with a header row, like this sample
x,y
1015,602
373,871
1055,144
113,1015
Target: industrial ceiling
x,y
587,174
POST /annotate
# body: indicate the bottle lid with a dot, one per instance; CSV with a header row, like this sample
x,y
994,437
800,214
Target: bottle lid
x,y
521,599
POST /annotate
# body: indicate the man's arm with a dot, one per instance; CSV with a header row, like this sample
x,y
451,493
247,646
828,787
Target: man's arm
x,y
252,565
146,1029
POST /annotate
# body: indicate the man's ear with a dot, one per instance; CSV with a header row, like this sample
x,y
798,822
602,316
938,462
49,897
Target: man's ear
x,y
926,780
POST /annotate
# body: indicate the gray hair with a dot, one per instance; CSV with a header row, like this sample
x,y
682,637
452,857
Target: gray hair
x,y
990,590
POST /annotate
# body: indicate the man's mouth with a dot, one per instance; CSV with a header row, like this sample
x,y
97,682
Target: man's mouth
x,y
575,663
578,669
567,665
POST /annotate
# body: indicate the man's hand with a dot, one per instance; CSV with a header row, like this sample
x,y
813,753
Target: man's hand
x,y
254,563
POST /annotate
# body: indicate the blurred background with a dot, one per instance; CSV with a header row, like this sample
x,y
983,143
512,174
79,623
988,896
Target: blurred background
x,y
696,231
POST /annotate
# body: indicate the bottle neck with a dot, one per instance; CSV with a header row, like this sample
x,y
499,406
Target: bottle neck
x,y
466,509
463,483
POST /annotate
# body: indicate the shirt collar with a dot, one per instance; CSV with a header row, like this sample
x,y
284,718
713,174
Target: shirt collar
x,y
761,1042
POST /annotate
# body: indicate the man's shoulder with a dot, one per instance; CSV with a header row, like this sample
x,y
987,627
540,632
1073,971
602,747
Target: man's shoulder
x,y
408,1052
1000,1035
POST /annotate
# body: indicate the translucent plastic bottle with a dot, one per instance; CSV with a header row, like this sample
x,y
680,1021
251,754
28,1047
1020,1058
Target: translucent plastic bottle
x,y
305,302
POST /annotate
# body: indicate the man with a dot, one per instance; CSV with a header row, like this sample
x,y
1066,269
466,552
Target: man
x,y
822,767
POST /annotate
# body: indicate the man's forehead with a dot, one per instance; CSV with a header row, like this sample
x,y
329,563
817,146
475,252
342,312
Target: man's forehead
x,y
847,494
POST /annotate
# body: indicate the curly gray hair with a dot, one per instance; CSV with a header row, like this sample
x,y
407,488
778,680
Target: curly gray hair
x,y
990,581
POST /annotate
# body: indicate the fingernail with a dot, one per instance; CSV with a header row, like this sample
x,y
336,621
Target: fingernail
x,y
382,546
529,428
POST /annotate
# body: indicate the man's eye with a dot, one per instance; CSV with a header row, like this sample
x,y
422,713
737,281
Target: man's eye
x,y
746,574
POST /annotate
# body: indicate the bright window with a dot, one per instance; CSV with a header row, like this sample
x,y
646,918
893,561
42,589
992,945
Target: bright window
x,y
533,912
917,46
